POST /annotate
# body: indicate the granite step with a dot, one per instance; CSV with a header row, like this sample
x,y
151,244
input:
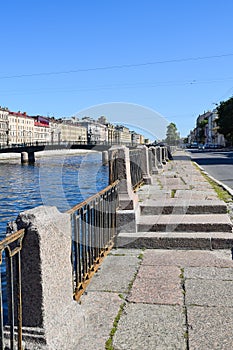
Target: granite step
x,y
175,240
182,206
184,223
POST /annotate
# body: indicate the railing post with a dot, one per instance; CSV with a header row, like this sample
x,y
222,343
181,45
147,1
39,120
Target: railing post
x,y
119,168
147,179
120,156
155,169
163,154
159,156
105,157
51,318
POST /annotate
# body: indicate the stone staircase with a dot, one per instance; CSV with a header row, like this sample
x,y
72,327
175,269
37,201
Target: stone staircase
x,y
181,214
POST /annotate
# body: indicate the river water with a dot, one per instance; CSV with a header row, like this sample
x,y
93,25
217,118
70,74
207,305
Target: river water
x,y
58,180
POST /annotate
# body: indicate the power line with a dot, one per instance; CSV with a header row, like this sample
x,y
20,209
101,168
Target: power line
x,y
115,66
139,85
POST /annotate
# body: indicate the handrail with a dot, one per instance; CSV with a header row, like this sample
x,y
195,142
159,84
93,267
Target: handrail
x,y
93,225
89,199
12,245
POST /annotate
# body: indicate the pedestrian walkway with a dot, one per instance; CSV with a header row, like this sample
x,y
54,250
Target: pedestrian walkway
x,y
179,210
146,297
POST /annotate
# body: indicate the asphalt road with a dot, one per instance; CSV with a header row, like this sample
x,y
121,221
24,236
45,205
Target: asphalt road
x,y
217,164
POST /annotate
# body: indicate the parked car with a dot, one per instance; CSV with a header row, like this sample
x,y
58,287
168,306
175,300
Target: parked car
x,y
194,145
212,146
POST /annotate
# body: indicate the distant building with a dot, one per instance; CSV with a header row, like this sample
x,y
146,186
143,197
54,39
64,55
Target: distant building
x,y
41,129
96,132
122,135
136,139
4,132
207,133
72,132
20,128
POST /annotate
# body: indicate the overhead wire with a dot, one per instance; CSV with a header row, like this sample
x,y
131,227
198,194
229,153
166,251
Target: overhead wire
x,y
132,65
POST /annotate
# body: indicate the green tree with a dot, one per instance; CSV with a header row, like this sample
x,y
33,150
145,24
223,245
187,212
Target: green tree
x,y
172,135
225,119
201,130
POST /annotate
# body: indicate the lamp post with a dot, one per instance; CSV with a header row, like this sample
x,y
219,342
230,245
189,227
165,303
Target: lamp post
x,y
7,133
89,136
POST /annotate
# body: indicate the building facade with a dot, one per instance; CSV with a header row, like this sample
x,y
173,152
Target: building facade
x,y
96,132
72,132
20,128
122,135
4,127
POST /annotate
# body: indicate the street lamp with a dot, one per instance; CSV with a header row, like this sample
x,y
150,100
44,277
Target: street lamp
x,y
89,135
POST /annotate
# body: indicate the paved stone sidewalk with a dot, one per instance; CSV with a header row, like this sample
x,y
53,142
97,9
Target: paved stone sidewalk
x,y
184,299
171,299
180,209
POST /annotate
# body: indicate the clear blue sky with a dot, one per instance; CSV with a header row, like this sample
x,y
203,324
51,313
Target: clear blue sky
x,y
157,50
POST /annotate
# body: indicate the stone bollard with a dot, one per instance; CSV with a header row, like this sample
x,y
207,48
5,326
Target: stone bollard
x,y
159,156
145,165
155,169
105,158
51,318
163,155
166,154
119,162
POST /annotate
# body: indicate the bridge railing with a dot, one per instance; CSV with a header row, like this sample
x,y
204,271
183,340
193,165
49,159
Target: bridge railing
x,y
63,143
93,231
11,297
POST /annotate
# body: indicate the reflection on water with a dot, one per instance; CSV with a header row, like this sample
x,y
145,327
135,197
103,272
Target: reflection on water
x,y
61,181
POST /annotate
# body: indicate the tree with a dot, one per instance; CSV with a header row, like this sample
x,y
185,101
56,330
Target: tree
x,y
225,119
201,130
172,135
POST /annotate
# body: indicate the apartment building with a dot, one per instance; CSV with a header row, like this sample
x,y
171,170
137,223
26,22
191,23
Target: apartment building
x,y
96,132
122,135
72,132
4,132
136,138
20,128
41,129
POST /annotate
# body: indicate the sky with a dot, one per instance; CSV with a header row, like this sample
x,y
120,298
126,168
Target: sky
x,y
160,61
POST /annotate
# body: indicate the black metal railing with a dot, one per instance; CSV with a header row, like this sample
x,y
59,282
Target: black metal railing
x,y
10,292
136,167
93,230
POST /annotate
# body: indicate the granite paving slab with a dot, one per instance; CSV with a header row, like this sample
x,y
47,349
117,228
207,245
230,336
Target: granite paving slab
x,y
198,195
210,328
157,285
144,327
185,223
115,274
182,206
176,240
100,310
209,292
209,273
184,258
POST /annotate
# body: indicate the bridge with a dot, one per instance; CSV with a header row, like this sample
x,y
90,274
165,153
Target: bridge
x,y
28,150
38,147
